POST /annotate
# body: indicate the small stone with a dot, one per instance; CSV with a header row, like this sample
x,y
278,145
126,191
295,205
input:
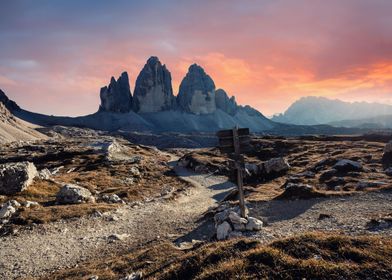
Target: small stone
x,y
29,204
223,230
133,276
324,216
135,171
6,211
117,237
44,174
235,218
254,224
113,198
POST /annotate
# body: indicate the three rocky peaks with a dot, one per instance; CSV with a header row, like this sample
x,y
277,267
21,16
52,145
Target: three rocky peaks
x,y
154,93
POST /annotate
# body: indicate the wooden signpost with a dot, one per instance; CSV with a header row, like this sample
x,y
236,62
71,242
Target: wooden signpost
x,y
234,142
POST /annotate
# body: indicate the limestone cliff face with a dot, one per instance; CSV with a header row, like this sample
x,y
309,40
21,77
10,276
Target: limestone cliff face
x,y
116,97
153,89
226,104
197,92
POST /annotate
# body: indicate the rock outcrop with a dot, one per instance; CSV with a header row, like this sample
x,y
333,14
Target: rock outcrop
x,y
197,92
224,103
73,194
116,97
16,177
153,89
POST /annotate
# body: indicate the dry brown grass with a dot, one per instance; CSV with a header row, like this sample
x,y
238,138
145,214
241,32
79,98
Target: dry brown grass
x,y
42,215
310,256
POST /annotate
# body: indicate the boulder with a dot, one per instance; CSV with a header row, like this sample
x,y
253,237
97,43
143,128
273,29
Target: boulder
x,y
16,177
387,156
116,151
275,167
223,230
7,211
197,92
116,97
73,194
254,224
346,165
153,89
299,191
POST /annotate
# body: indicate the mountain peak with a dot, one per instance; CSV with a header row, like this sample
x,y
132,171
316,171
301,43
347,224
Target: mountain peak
x,y
153,88
116,97
197,92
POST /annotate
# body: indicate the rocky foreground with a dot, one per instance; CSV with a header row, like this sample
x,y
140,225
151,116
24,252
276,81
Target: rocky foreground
x,y
88,205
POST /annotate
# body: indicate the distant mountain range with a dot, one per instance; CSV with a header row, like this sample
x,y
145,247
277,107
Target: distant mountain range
x,y
319,110
198,107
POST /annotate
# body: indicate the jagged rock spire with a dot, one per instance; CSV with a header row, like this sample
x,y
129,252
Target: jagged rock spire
x,y
226,104
197,92
153,89
116,97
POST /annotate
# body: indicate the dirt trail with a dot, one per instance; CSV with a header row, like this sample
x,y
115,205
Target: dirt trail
x,y
63,244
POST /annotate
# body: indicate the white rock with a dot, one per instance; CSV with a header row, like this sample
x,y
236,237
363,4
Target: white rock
x,y
118,237
235,218
13,203
113,198
44,174
254,224
6,211
29,204
73,194
223,230
16,177
133,276
134,171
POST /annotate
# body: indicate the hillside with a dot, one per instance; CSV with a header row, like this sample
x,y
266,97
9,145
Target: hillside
x,y
313,110
12,128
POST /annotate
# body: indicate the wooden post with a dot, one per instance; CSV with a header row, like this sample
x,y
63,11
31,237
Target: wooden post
x,y
238,165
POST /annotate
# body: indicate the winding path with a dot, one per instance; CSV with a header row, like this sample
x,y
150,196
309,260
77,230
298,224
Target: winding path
x,y
64,244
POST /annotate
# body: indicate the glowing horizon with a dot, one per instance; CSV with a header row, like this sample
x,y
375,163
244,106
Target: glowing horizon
x,y
56,55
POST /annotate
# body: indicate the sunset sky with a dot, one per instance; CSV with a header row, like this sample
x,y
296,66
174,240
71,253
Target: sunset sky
x,y
56,55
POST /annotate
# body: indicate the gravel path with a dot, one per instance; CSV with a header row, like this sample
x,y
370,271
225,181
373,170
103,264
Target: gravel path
x,y
349,215
63,244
